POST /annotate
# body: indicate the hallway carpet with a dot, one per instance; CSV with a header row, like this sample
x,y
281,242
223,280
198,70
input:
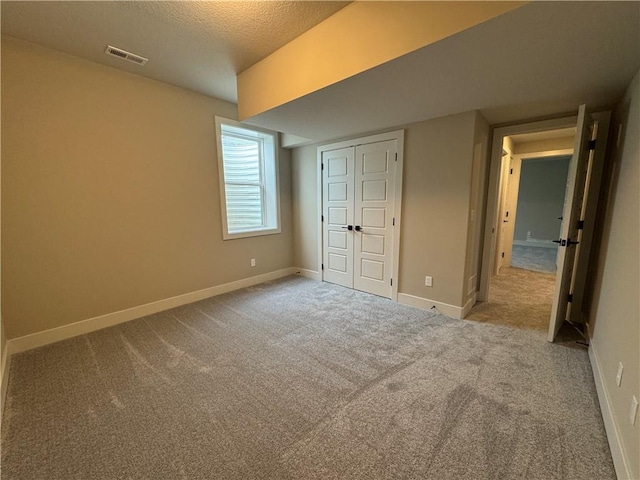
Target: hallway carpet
x,y
538,259
517,298
297,379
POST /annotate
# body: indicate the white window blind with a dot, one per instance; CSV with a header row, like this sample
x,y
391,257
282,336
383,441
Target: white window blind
x,y
243,179
249,173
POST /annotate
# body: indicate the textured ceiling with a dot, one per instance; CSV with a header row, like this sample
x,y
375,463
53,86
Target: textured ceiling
x,y
197,45
542,59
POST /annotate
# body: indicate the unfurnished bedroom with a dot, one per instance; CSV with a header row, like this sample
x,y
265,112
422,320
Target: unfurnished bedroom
x,y
320,240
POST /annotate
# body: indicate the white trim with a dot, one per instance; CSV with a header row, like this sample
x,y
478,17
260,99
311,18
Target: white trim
x,y
4,376
492,207
426,304
319,211
312,274
268,230
469,305
397,135
618,452
397,213
82,327
593,195
544,154
516,162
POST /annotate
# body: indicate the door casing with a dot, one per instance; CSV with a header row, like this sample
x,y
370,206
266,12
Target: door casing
x,y
490,229
490,244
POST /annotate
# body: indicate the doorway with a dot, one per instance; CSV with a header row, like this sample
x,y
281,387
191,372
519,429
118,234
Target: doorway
x,y
533,182
537,215
361,195
580,201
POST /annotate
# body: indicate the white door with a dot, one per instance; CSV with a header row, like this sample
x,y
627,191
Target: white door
x,y
358,191
373,217
337,194
571,215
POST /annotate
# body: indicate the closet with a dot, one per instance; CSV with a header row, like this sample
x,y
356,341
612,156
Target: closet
x,y
358,214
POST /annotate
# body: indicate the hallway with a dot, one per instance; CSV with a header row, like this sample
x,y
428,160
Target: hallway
x,y
518,298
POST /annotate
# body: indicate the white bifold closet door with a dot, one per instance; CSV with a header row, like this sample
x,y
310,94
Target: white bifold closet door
x,y
358,204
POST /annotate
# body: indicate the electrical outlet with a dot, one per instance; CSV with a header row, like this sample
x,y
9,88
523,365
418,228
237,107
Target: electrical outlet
x,y
619,375
428,281
634,410
253,262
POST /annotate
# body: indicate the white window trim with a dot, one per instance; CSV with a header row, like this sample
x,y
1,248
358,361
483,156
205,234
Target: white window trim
x,y
223,199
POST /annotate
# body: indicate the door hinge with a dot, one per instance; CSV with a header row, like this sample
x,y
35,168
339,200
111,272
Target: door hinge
x,y
393,221
392,282
580,224
570,298
322,166
511,171
322,218
322,266
396,156
502,254
591,145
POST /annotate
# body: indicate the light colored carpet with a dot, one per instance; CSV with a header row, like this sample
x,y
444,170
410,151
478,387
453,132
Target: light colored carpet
x,y
298,379
517,298
538,259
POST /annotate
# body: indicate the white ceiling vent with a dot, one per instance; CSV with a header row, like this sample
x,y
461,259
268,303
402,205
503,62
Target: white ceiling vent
x,y
132,57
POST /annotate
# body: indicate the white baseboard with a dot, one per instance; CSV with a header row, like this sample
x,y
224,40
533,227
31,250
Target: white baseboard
x,y
618,452
4,377
27,342
312,274
426,304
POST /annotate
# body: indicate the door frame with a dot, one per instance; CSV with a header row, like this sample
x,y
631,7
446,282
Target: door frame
x,y
503,197
522,157
397,135
490,246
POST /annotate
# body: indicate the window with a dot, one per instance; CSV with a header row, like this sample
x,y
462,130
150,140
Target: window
x,y
248,169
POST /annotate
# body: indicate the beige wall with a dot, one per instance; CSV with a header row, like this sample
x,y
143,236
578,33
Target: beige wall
x,y
110,193
435,207
563,143
361,36
614,317
438,158
304,189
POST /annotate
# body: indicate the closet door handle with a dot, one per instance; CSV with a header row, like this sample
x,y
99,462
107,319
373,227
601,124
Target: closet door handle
x,y
348,227
358,229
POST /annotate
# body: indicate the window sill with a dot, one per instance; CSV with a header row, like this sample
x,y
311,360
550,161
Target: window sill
x,y
252,233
